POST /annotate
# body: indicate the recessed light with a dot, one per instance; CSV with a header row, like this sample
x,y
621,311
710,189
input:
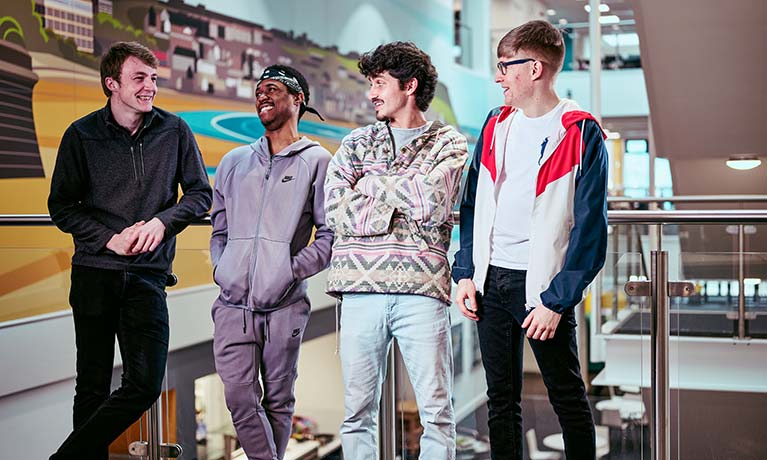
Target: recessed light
x,y
609,19
562,22
603,8
743,162
551,12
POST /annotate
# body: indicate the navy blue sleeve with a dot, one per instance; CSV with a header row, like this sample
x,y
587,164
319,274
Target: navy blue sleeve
x,y
463,266
588,238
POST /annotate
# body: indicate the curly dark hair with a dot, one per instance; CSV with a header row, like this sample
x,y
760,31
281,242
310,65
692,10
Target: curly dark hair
x,y
301,81
403,61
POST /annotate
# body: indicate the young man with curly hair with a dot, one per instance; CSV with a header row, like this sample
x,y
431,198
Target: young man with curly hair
x,y
390,192
533,236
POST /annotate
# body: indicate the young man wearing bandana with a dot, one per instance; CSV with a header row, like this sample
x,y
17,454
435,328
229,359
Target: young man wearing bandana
x,y
391,188
268,197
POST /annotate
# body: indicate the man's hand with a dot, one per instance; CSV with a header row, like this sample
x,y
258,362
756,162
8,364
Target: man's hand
x,y
149,236
121,243
541,323
467,290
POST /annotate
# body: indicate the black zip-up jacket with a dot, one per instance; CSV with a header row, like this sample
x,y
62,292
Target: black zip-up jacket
x,y
106,180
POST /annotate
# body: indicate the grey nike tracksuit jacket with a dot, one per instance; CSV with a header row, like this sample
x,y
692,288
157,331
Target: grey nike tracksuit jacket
x,y
264,210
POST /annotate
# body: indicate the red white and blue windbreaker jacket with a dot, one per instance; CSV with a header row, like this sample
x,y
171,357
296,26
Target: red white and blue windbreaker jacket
x,y
568,234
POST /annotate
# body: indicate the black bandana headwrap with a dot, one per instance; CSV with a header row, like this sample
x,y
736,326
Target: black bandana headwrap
x,y
288,76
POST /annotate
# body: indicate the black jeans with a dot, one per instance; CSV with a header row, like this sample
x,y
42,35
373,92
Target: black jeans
x,y
128,304
501,313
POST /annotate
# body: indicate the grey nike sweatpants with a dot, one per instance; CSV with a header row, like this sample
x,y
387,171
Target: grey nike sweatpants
x,y
246,344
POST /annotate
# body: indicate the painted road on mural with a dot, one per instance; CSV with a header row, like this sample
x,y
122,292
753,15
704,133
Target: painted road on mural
x,y
246,127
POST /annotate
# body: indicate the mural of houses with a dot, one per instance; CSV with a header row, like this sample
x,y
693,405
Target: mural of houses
x,y
69,18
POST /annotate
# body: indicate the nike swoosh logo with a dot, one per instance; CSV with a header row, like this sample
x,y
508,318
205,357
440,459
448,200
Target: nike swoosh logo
x,y
296,332
287,179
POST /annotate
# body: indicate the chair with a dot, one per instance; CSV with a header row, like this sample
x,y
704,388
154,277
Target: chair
x,y
532,448
602,433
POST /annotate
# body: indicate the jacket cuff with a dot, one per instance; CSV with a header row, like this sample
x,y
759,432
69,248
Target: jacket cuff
x,y
459,273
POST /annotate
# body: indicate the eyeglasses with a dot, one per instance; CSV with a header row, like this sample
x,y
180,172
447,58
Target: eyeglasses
x,y
503,64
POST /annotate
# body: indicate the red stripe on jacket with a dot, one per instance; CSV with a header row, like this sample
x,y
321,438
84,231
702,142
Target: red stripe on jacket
x,y
562,161
488,140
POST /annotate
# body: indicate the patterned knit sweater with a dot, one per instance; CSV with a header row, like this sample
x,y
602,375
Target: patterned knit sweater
x,y
393,214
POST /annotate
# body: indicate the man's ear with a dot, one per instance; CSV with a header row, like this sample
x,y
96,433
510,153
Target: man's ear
x,y
299,98
537,70
111,84
411,86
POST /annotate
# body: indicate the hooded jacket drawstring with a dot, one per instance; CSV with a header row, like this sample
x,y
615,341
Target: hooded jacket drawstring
x,y
266,327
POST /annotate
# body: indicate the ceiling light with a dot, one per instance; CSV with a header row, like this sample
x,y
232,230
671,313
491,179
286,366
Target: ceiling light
x,y
613,135
603,8
743,162
562,22
551,12
609,19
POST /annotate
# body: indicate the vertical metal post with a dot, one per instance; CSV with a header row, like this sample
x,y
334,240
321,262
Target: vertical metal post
x,y
659,342
387,420
741,285
616,271
595,66
153,435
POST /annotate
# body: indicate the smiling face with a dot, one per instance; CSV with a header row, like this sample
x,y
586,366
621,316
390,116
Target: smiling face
x,y
517,82
275,104
388,98
136,89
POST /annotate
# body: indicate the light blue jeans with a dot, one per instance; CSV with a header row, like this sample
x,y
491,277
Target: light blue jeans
x,y
421,326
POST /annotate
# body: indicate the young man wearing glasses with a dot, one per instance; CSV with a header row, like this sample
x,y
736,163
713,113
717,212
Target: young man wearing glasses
x,y
533,236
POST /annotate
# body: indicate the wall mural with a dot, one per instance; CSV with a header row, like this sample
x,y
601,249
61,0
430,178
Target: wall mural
x,y
49,77
206,58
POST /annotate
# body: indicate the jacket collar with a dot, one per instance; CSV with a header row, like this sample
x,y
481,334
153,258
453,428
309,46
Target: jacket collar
x,y
108,118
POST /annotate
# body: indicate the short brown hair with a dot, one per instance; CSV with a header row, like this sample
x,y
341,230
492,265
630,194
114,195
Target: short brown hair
x,y
112,61
538,37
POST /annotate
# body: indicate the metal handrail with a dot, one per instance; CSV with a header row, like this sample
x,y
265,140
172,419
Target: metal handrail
x,y
720,216
44,220
714,216
690,199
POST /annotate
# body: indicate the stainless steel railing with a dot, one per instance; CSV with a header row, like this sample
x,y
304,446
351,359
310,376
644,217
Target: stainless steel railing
x,y
658,289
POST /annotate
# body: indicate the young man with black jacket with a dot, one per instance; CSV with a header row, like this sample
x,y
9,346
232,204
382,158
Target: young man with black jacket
x,y
115,189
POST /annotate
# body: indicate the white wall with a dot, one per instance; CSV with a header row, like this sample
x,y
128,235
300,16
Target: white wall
x,y
623,91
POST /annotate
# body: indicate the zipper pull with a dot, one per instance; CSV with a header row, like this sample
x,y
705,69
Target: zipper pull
x,y
269,170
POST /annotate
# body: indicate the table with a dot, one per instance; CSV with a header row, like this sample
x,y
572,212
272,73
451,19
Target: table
x,y
557,442
629,408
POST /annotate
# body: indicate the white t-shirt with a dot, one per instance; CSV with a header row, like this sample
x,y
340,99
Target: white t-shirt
x,y
510,239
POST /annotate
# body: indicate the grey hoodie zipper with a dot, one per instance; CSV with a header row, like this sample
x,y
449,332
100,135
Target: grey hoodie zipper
x,y
254,251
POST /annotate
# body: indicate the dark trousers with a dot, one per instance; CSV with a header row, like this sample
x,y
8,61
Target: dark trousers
x,y
501,313
130,305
